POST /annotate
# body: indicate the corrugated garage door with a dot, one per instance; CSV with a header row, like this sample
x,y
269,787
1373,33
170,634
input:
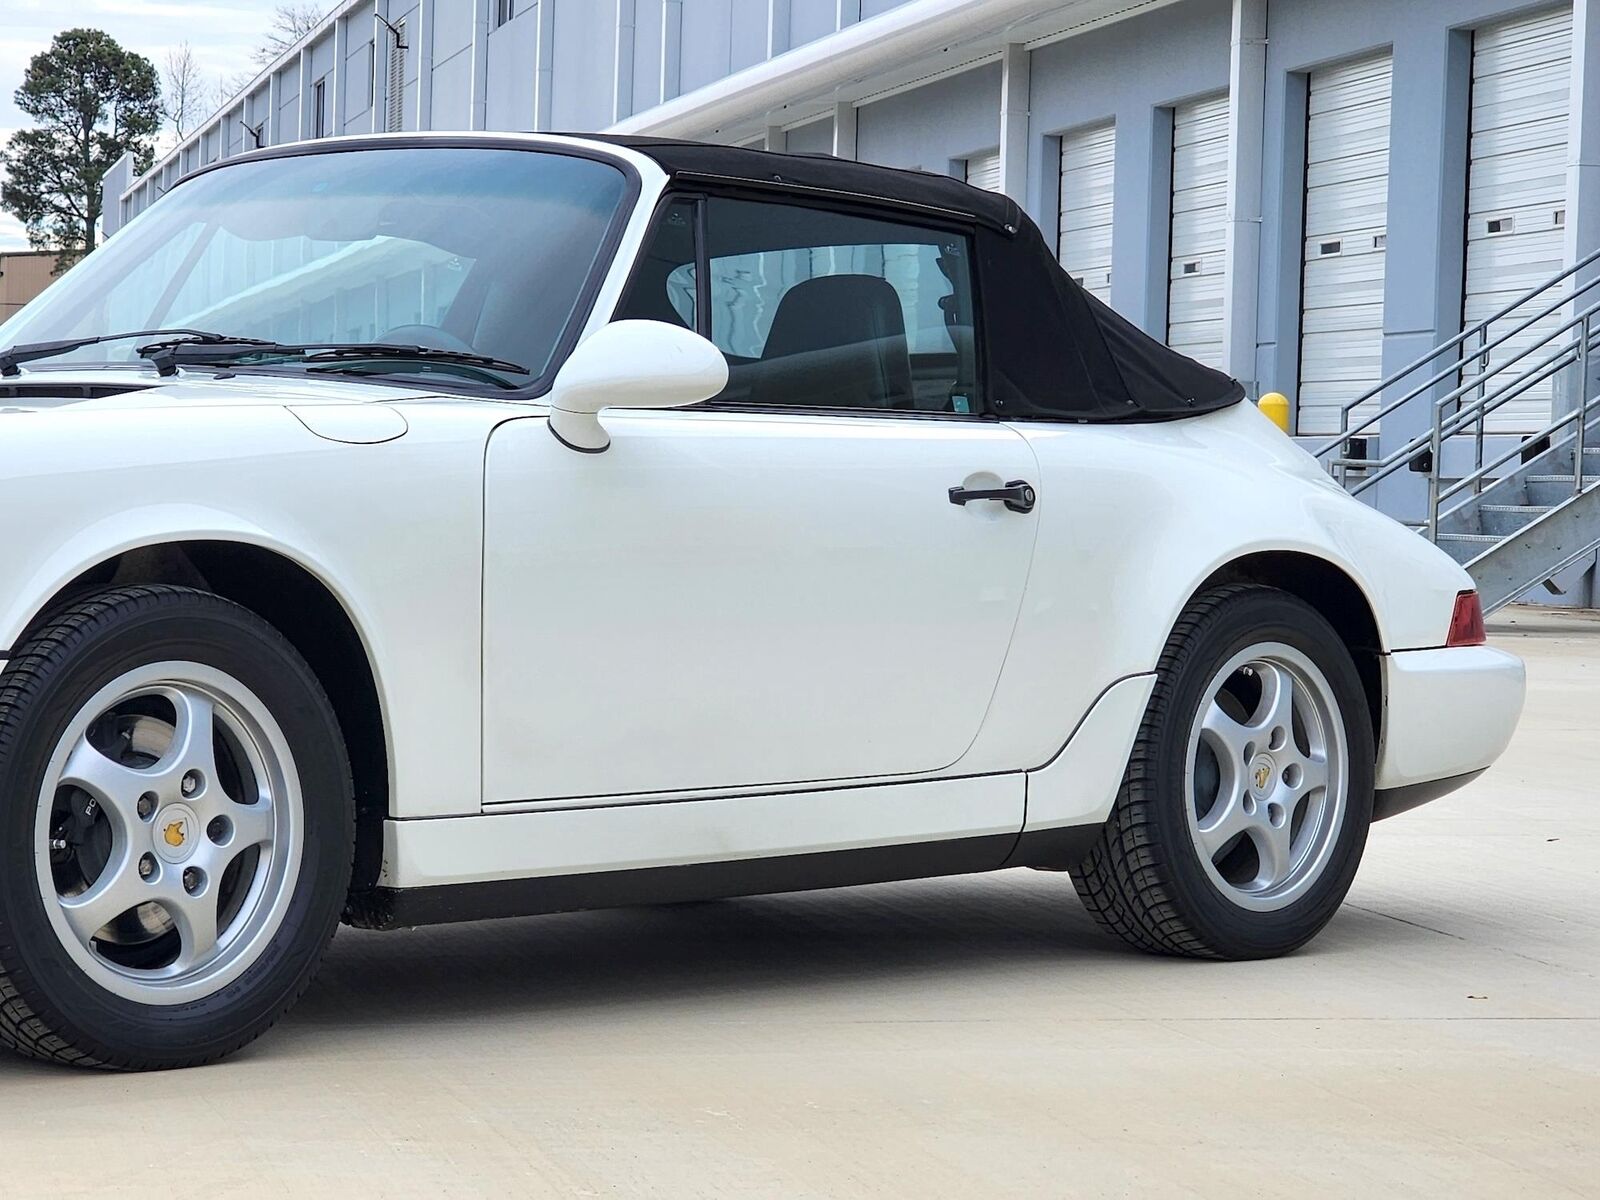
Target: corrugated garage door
x,y
1088,159
1196,279
1347,213
984,171
1517,184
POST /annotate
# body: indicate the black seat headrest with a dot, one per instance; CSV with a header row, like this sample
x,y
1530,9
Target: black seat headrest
x,y
838,340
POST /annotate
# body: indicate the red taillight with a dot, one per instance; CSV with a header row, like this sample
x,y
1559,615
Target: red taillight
x,y
1466,622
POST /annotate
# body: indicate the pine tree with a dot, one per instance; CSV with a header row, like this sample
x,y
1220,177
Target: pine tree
x,y
92,101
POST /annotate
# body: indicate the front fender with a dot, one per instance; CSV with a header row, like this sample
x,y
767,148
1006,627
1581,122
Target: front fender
x,y
37,572
392,529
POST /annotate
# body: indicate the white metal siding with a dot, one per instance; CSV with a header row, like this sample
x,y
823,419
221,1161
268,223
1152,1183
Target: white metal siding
x,y
984,171
1084,245
1347,212
1196,279
1517,187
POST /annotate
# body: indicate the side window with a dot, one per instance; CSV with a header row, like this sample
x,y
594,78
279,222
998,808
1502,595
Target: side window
x,y
820,309
663,286
828,310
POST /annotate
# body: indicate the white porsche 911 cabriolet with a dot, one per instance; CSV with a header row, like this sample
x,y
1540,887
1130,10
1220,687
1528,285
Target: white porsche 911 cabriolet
x,y
422,529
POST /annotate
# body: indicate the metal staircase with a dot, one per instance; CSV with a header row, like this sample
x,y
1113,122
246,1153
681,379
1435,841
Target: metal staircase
x,y
1517,517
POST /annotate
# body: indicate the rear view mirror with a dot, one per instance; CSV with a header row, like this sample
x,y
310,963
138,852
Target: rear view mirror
x,y
631,364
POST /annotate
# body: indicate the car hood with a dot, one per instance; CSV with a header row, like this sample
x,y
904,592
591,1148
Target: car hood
x,y
119,389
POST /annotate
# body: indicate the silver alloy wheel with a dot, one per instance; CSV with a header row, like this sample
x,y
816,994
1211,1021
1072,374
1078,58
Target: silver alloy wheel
x,y
1267,776
168,835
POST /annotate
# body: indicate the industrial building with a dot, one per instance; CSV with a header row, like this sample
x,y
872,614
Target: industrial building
x,y
1308,193
23,275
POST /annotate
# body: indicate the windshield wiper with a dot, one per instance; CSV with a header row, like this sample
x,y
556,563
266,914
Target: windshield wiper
x,y
359,350
168,356
13,358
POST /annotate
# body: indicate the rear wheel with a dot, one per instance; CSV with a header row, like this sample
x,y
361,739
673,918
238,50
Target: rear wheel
x,y
177,831
1244,811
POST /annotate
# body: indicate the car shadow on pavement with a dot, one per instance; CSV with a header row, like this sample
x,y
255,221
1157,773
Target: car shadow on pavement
x,y
870,950
903,938
647,955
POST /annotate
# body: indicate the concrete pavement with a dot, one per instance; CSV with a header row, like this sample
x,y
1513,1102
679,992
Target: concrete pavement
x,y
964,1037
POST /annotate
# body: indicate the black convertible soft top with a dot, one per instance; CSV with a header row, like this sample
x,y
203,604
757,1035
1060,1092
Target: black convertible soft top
x,y
1055,351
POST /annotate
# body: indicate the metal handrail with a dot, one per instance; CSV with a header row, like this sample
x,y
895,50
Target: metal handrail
x,y
1474,388
1433,440
1577,353
1464,482
1446,426
1479,329
1480,352
1463,415
1538,373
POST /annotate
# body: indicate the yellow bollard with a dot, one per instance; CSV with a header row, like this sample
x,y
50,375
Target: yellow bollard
x,y
1276,406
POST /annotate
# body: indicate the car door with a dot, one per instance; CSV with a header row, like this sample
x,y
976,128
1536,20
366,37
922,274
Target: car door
x,y
778,587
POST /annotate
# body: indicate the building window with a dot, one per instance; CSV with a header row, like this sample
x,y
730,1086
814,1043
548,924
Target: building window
x,y
504,10
319,109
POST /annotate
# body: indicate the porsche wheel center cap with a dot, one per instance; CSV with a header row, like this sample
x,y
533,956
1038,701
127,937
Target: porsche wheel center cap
x,y
1261,772
177,831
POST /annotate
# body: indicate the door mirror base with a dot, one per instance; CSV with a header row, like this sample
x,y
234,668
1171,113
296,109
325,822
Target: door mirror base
x,y
579,431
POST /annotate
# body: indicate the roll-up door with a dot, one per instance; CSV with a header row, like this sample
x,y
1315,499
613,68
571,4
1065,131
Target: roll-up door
x,y
984,171
1517,188
1196,278
1084,246
1347,207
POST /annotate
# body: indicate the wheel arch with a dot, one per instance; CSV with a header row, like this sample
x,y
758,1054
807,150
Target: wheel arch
x,y
301,605
1334,593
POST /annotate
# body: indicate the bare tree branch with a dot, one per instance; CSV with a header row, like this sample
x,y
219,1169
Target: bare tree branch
x,y
290,23
226,88
184,99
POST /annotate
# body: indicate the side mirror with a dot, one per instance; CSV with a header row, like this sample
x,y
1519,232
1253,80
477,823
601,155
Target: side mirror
x,y
631,364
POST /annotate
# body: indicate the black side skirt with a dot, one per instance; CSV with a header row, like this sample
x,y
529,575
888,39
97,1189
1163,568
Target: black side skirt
x,y
400,908
1390,801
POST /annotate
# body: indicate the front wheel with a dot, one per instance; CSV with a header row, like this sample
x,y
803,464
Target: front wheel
x,y
176,830
1244,811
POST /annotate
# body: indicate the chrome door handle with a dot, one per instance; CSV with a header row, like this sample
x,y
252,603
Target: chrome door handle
x,y
1018,495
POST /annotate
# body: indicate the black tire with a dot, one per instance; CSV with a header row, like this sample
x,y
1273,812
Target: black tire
x,y
50,1007
1144,880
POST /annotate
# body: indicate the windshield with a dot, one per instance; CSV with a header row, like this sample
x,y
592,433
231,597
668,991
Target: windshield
x,y
478,250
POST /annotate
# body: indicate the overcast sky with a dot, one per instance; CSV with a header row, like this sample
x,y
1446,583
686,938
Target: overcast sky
x,y
222,32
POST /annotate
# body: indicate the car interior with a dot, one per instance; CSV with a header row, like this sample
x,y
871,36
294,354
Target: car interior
x,y
818,308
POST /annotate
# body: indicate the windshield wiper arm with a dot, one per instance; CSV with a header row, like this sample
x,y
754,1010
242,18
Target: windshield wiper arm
x,y
356,350
12,359
168,355
165,356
